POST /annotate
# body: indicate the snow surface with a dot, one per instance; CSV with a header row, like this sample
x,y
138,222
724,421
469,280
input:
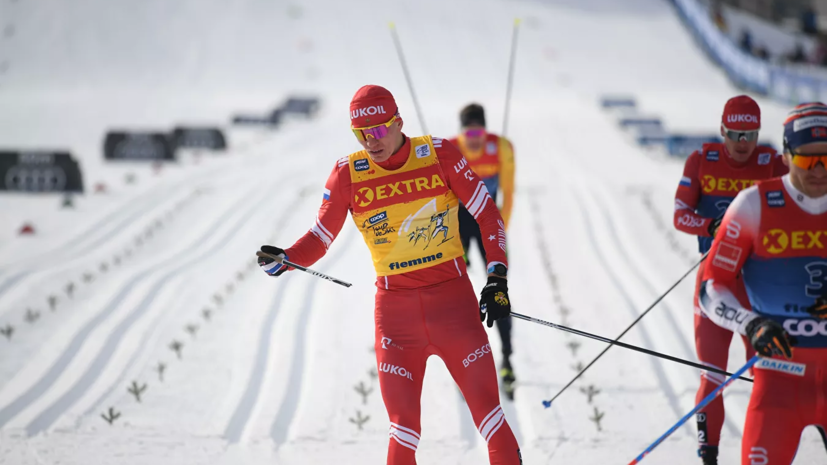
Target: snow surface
x,y
270,376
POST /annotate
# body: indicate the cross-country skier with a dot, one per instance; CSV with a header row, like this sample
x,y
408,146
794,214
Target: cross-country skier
x,y
439,223
491,157
775,236
425,304
711,178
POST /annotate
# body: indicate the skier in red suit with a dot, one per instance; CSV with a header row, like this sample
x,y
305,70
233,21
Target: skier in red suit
x,y
713,177
403,193
773,240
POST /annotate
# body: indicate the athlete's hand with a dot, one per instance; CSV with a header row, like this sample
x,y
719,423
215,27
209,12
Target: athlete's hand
x,y
494,301
769,338
819,309
269,265
713,226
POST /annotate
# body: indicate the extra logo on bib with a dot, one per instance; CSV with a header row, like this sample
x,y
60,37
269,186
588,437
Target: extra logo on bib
x,y
777,241
366,195
711,184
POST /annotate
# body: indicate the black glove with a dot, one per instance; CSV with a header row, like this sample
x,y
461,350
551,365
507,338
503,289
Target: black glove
x,y
713,226
270,266
494,300
819,309
769,338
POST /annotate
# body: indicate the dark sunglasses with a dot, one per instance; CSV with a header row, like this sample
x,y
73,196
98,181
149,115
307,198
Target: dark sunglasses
x,y
741,136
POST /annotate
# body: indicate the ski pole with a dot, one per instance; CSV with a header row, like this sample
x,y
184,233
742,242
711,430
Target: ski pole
x,y
398,45
614,342
712,395
301,268
547,403
511,61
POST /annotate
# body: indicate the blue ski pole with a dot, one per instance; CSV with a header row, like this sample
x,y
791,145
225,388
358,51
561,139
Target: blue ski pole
x,y
712,395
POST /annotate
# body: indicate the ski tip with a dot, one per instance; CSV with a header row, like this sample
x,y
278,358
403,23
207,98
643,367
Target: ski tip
x,y
546,403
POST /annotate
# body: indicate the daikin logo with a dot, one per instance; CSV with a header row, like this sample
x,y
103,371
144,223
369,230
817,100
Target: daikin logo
x,y
369,111
741,119
797,369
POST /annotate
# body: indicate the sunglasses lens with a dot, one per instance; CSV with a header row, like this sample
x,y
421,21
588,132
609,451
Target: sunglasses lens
x,y
801,162
375,133
808,163
474,132
742,136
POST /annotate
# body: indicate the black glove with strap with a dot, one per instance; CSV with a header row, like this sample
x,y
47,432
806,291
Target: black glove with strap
x,y
494,301
769,338
819,309
269,265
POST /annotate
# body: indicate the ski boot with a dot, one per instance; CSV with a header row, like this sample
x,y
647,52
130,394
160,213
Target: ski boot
x,y
508,379
709,455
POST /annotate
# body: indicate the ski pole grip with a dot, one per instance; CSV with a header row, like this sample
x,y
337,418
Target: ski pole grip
x,y
302,268
267,255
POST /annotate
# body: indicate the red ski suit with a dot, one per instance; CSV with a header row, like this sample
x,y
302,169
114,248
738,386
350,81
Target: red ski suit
x,y
431,310
773,236
711,179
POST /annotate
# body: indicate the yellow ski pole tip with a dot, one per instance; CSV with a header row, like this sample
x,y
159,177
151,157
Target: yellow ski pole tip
x,y
517,21
391,25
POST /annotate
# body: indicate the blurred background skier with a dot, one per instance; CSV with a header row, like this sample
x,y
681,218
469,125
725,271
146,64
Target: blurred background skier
x,y
491,157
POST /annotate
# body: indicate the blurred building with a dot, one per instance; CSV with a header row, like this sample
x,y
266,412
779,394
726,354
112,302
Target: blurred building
x,y
790,13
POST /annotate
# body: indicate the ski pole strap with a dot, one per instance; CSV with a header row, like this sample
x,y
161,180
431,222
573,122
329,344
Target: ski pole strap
x,y
706,400
625,346
302,268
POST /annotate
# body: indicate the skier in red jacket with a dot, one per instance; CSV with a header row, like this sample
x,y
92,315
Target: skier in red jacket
x,y
713,177
403,194
772,241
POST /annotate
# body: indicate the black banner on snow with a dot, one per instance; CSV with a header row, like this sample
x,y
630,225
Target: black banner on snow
x,y
307,106
199,138
39,171
254,120
150,146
